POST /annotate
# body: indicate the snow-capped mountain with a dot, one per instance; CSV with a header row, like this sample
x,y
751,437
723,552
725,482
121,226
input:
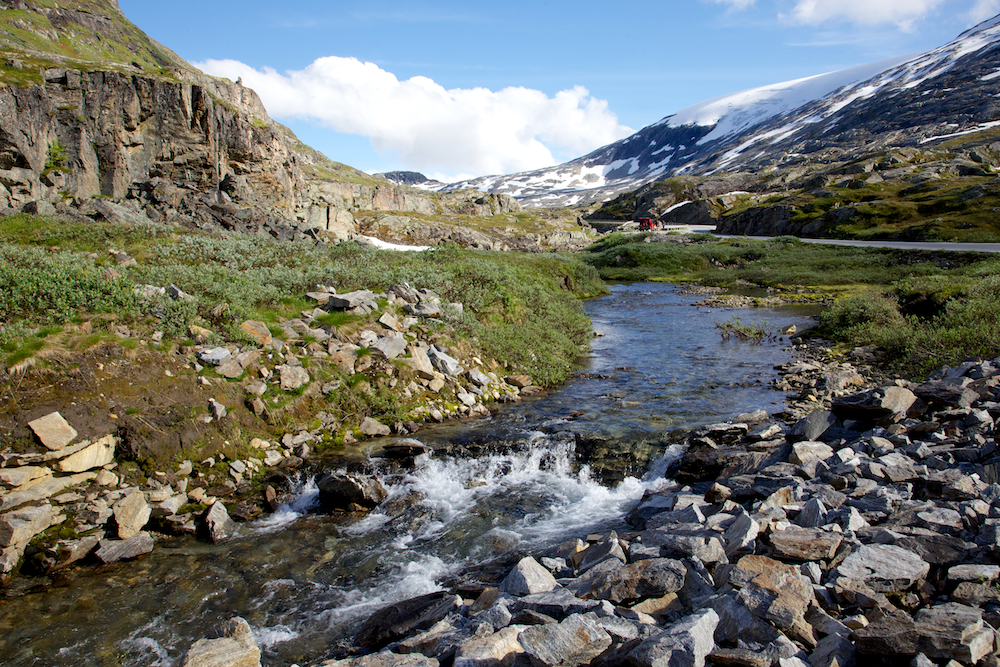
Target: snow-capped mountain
x,y
902,101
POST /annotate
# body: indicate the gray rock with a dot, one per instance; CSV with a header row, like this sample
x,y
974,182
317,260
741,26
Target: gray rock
x,y
389,346
772,590
444,363
686,643
131,514
292,377
347,491
219,525
576,641
230,644
527,578
420,362
682,541
496,650
833,651
813,514
478,378
874,404
557,603
350,300
946,393
813,425
217,409
647,578
215,356
598,553
373,428
885,568
399,619
110,551
954,631
742,534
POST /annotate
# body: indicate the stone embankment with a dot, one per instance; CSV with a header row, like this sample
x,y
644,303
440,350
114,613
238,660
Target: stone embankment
x,y
67,499
867,529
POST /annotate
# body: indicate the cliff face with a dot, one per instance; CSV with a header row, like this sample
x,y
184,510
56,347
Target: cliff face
x,y
88,134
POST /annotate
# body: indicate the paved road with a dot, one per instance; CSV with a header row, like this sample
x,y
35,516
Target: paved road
x,y
899,245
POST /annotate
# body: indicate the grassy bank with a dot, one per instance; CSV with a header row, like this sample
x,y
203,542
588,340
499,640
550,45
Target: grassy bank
x,y
918,309
521,310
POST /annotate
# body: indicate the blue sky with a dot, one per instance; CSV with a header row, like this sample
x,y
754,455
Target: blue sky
x,y
469,89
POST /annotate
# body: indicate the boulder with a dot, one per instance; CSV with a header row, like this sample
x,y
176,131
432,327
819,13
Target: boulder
x,y
131,514
95,455
230,644
654,577
953,631
349,492
258,331
575,641
373,428
292,377
19,527
110,551
389,346
885,568
805,544
528,578
499,649
686,643
399,619
444,363
874,404
218,524
814,425
772,590
53,431
945,393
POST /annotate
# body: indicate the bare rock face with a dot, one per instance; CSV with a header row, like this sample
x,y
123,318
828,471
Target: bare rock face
x,y
230,644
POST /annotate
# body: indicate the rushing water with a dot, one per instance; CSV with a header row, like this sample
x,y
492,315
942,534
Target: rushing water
x,y
528,477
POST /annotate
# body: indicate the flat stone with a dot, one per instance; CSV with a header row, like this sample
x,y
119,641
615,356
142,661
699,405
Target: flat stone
x,y
46,488
681,542
229,644
557,603
230,369
687,642
975,573
420,362
833,651
21,526
885,568
575,641
443,362
258,331
388,321
350,300
96,455
805,544
389,346
53,431
808,450
109,551
292,377
397,620
895,634
655,577
953,632
215,356
131,514
874,404
21,477
527,578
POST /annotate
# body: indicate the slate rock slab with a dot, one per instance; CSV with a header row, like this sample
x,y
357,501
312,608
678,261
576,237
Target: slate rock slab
x,y
53,431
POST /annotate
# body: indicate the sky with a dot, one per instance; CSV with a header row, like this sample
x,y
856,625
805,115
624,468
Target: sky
x,y
458,89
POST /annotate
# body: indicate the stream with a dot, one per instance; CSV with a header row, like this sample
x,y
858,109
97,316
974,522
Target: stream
x,y
538,472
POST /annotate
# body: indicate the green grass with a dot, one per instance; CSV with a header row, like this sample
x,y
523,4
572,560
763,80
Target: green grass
x,y
522,309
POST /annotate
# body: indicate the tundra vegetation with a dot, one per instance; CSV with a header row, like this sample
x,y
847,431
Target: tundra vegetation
x,y
918,309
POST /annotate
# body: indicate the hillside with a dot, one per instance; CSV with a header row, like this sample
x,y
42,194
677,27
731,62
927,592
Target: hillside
x,y
98,121
907,102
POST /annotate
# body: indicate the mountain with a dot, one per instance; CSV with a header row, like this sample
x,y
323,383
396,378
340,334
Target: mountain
x,y
98,121
906,101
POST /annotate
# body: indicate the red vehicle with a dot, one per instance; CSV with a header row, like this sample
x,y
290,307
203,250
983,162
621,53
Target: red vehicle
x,y
647,224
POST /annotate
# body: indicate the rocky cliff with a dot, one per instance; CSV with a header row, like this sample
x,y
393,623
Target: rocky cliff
x,y
99,121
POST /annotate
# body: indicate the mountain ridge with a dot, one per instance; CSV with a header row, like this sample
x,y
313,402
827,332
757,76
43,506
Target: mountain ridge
x,y
801,116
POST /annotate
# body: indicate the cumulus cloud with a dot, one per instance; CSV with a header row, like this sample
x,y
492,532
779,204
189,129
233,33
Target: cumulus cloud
x,y
982,10
430,128
902,13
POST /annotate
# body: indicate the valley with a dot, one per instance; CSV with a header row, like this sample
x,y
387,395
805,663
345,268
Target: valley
x,y
259,407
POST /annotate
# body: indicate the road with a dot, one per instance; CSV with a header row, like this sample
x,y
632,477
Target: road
x,y
897,245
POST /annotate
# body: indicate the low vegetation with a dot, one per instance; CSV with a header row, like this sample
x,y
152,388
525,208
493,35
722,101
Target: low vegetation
x,y
918,309
520,309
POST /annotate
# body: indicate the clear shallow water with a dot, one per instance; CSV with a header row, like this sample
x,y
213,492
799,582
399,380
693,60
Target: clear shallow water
x,y
524,479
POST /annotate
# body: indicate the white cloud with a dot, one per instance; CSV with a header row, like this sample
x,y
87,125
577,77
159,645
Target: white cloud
x,y
902,13
432,129
983,9
735,4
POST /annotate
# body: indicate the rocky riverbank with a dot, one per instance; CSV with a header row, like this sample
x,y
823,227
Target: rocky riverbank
x,y
864,532
110,496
